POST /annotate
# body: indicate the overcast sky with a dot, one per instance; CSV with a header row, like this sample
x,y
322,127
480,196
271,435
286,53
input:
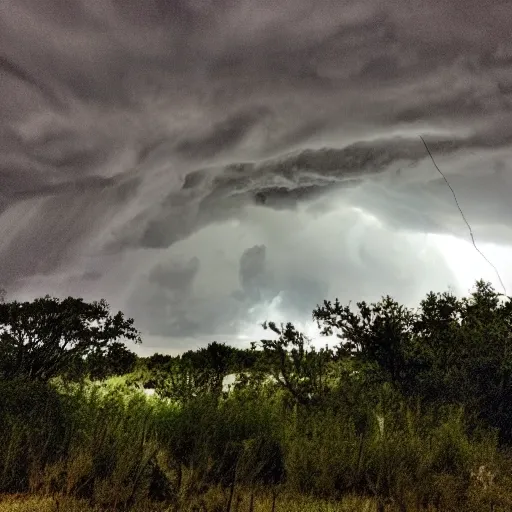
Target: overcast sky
x,y
205,165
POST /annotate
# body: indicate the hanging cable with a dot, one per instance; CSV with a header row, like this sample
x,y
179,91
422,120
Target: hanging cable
x,y
463,216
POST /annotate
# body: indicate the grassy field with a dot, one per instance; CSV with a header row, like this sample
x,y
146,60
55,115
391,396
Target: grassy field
x,y
121,451
215,502
423,425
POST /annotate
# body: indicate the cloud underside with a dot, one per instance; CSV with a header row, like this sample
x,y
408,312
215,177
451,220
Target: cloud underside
x,y
201,164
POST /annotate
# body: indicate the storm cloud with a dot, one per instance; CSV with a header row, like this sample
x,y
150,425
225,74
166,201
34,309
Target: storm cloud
x,y
206,164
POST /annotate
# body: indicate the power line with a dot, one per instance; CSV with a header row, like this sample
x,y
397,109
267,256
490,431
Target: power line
x,y
463,216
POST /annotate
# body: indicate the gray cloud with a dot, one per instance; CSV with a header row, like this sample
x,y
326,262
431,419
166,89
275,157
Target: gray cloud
x,y
139,139
252,272
207,197
164,301
175,276
222,136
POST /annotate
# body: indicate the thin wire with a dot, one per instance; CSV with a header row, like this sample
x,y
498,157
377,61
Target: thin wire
x,y
463,216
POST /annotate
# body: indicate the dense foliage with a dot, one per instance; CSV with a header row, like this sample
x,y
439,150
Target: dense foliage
x,y
44,338
411,410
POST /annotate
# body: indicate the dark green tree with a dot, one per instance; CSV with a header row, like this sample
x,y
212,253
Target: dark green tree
x,y
115,360
194,373
468,345
158,362
210,365
41,339
216,362
295,364
449,351
179,381
378,333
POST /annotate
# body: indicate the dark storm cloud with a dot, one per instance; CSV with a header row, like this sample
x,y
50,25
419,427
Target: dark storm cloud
x,y
133,130
17,185
207,197
252,271
222,136
164,301
44,230
10,68
175,276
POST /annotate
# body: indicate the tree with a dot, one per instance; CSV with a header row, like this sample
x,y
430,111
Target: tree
x,y
449,351
116,359
378,333
214,363
193,373
295,365
42,338
180,381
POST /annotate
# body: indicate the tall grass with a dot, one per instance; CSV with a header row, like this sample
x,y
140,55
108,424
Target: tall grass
x,y
113,448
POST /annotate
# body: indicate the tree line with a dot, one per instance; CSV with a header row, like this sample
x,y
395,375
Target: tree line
x,y
411,409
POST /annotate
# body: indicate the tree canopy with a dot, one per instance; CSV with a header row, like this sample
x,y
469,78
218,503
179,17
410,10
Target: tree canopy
x,y
42,338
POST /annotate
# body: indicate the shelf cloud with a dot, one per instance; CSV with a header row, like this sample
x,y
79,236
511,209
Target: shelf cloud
x,y
207,164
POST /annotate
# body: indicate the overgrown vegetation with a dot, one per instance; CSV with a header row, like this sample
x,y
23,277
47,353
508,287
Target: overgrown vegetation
x,y
412,410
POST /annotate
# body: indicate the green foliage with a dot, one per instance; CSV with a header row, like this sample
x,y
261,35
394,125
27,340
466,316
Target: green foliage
x,y
411,411
448,351
182,378
115,360
379,333
32,424
295,365
42,338
83,440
